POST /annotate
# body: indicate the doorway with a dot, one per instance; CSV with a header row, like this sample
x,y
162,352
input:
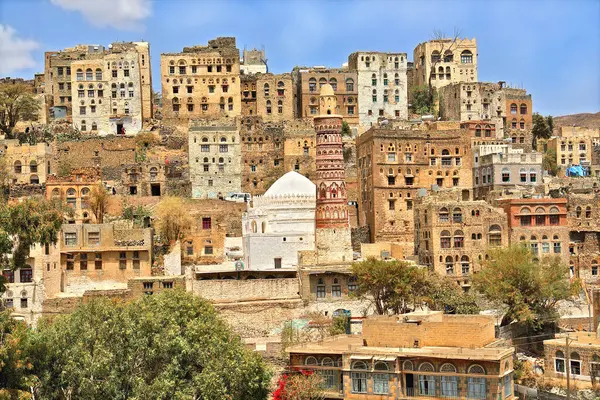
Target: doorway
x,y
410,385
155,189
119,129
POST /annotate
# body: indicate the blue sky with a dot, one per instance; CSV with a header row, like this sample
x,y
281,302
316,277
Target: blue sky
x,y
551,48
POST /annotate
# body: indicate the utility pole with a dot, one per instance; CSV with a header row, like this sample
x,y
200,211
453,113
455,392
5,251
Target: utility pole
x,y
568,367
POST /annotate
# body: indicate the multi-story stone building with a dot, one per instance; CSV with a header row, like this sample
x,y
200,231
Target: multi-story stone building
x,y
104,91
28,164
96,256
572,150
299,149
214,158
452,235
75,189
498,167
262,154
202,81
580,358
308,82
268,96
446,61
393,164
540,223
382,85
28,286
509,109
412,355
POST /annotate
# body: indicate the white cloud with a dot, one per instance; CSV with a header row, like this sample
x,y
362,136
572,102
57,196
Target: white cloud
x,y
119,14
15,52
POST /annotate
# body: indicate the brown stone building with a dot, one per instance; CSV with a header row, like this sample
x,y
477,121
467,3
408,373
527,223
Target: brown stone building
x,y
268,96
299,148
412,355
75,189
202,81
262,154
452,235
28,164
102,255
308,82
582,358
540,223
583,218
446,61
393,164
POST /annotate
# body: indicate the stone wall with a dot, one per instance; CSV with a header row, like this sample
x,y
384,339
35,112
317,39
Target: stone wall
x,y
238,290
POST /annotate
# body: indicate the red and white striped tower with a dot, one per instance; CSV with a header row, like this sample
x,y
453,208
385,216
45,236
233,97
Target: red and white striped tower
x,y
332,233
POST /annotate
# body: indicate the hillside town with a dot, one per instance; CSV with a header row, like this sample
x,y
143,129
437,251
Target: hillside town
x,y
392,226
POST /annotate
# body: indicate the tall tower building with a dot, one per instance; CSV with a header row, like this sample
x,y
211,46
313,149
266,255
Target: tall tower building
x,y
332,234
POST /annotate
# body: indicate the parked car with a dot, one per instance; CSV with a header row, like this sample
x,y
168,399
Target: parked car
x,y
239,197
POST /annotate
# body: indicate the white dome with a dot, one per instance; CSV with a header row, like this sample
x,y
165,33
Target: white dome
x,y
292,184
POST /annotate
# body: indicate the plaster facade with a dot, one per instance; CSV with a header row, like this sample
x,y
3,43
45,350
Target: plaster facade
x,y
74,190
214,158
28,164
382,85
572,150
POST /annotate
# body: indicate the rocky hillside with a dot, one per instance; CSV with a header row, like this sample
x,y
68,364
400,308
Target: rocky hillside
x,y
586,120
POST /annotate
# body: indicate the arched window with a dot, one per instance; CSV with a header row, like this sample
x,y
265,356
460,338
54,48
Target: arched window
x,y
445,239
79,74
449,265
407,365
478,130
333,83
505,175
349,85
578,212
588,212
443,214
34,179
381,366
17,167
89,75
360,365
322,81
310,360
327,362
373,80
476,387
559,361
312,84
266,89
359,379
464,265
94,126
435,56
448,56
33,168
466,57
268,107
459,239
513,108
523,109
98,74
495,236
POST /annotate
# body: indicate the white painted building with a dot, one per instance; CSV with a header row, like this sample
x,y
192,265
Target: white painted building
x,y
382,85
279,224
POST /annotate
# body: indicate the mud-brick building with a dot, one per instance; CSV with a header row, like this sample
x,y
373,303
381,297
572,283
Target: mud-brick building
x,y
582,358
94,256
299,149
393,164
413,355
202,81
262,152
583,218
268,96
27,164
74,190
452,235
540,223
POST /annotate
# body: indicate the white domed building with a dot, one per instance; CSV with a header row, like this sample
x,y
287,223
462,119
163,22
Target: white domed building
x,y
279,224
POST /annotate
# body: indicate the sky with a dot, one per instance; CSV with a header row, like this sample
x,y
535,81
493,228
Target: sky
x,y
551,48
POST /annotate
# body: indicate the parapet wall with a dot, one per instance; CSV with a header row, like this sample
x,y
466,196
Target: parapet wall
x,y
254,289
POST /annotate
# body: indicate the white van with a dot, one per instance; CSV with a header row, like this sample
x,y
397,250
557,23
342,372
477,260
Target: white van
x,y
239,197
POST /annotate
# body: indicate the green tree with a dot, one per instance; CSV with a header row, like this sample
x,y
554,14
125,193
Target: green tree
x,y
98,201
392,286
444,294
550,123
529,288
420,100
15,367
541,129
33,221
168,346
346,131
549,162
17,103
